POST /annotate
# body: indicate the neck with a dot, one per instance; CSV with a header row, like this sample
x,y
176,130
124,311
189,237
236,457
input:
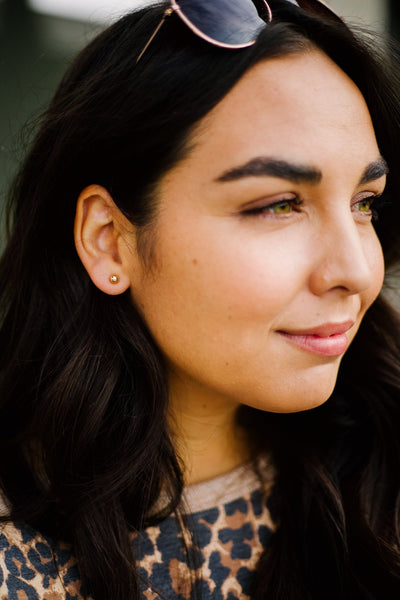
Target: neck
x,y
207,437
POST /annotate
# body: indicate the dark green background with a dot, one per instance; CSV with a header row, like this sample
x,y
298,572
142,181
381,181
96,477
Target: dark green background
x,y
34,51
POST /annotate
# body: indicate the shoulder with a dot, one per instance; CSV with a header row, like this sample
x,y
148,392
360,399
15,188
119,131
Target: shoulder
x,y
34,567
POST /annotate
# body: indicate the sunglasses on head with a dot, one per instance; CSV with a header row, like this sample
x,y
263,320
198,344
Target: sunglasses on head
x,y
231,23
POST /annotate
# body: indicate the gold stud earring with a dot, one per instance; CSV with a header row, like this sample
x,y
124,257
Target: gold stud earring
x,y
114,278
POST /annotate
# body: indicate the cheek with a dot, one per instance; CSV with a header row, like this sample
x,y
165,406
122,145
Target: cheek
x,y
217,294
218,277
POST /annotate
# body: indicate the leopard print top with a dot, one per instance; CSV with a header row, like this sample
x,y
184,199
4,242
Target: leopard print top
x,y
229,537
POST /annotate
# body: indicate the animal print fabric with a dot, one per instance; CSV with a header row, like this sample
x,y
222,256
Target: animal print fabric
x,y
33,568
228,538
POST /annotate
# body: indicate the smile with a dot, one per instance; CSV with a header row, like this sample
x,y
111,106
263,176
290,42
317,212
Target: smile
x,y
329,339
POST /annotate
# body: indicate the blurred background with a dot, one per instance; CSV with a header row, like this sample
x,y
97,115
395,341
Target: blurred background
x,y
38,38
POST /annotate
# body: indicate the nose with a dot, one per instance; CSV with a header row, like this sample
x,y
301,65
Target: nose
x,y
345,256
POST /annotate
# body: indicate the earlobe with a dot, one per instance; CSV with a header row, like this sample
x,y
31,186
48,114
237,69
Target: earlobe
x,y
98,231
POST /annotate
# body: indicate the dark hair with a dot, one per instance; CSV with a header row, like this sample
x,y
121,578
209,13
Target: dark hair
x,y
85,448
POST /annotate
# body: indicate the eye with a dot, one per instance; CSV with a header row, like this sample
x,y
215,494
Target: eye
x,y
365,205
369,206
280,208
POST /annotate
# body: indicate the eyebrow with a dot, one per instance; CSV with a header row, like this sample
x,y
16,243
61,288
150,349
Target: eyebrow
x,y
272,167
375,170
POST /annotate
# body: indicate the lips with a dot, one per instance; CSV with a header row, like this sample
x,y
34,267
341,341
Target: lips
x,y
329,339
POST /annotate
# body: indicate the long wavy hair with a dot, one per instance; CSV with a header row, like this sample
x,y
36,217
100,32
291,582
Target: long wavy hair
x,y
85,448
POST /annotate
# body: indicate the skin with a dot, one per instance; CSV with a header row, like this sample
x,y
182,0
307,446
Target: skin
x,y
240,259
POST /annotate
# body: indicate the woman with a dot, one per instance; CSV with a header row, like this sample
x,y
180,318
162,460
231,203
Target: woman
x,y
193,245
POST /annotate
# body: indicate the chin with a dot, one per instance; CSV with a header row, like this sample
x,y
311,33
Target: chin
x,y
304,404
297,396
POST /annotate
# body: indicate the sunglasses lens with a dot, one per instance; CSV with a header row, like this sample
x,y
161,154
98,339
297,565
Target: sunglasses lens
x,y
228,22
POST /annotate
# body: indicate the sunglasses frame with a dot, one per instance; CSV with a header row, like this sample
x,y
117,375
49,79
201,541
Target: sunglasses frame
x,y
176,8
319,7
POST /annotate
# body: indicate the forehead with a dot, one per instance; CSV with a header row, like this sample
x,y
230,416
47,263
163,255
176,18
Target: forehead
x,y
301,106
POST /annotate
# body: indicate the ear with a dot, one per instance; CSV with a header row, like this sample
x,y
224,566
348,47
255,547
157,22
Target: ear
x,y
100,231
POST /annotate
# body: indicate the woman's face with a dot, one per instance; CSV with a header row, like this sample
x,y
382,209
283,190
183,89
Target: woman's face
x,y
266,258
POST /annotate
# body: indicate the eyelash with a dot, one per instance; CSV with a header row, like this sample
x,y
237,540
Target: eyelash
x,y
295,203
377,203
